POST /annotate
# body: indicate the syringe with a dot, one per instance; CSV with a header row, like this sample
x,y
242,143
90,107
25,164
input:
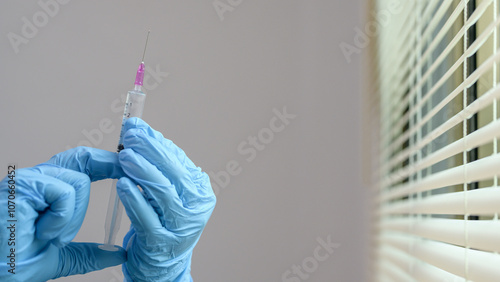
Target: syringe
x,y
133,108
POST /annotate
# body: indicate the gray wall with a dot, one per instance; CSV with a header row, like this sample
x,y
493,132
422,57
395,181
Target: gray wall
x,y
225,76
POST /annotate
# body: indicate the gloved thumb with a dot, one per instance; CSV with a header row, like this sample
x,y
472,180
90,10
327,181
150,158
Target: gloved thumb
x,y
80,258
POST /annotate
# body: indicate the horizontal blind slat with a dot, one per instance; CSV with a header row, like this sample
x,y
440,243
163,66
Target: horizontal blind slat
x,y
481,234
394,272
417,269
481,266
484,201
481,169
479,137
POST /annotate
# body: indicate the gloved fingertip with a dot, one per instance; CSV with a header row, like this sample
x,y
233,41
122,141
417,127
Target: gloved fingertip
x,y
134,122
125,155
80,258
124,183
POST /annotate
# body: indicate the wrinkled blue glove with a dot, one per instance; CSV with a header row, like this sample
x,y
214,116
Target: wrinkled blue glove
x,y
50,204
169,214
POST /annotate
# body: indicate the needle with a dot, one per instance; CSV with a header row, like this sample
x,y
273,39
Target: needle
x,y
145,46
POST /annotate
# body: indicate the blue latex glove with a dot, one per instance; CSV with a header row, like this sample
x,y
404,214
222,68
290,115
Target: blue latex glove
x,y
50,205
170,212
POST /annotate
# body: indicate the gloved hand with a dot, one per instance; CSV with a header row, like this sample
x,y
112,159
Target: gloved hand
x,y
50,204
170,212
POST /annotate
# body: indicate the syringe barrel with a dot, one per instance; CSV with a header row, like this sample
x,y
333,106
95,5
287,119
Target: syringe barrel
x,y
134,107
113,218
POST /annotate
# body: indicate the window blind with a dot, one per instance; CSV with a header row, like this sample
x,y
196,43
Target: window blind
x,y
431,129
